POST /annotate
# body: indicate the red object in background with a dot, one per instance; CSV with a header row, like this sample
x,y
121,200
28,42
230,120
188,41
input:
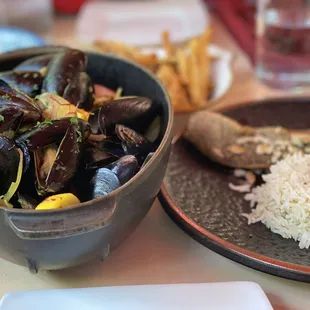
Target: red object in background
x,y
68,6
239,18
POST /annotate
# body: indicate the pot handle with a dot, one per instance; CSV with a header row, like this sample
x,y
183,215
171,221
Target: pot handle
x,y
64,223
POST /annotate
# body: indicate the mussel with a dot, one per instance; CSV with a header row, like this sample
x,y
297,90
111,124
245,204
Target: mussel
x,y
56,165
10,120
37,64
133,143
103,182
113,145
11,166
26,202
124,168
12,98
45,133
28,82
62,70
96,157
92,184
67,78
80,92
134,112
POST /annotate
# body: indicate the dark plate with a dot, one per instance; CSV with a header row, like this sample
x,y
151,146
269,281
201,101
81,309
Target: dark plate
x,y
196,196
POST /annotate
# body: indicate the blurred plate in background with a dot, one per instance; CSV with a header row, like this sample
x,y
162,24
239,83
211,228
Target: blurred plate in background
x,y
12,38
140,23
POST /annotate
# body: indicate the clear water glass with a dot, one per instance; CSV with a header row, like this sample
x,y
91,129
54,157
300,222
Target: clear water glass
x,y
283,43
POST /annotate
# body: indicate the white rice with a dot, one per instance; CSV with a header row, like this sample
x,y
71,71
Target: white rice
x,y
282,203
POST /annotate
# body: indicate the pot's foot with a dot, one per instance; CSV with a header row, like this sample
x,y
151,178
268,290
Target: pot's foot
x,y
105,253
32,266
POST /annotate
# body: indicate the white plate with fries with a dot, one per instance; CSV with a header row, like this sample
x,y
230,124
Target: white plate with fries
x,y
196,75
221,75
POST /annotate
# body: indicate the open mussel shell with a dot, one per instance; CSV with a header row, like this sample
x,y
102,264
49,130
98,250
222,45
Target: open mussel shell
x,y
13,98
28,82
26,155
27,187
49,132
37,64
80,92
9,163
153,131
113,146
26,202
63,165
134,112
147,159
62,70
134,143
10,120
95,157
124,168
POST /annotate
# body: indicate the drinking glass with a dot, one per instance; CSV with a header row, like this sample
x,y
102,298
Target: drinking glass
x,y
283,43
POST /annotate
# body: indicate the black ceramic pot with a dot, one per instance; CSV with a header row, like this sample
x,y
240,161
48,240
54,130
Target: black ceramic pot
x,y
67,237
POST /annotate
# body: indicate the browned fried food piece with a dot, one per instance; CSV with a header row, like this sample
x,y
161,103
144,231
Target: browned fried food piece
x,y
167,45
182,64
177,93
114,47
184,71
199,70
194,86
149,61
205,62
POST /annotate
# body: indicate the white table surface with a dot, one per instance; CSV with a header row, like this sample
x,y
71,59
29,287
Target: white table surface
x,y
157,252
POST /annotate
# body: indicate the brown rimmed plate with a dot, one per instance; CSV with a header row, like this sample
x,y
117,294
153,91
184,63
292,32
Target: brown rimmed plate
x,y
196,196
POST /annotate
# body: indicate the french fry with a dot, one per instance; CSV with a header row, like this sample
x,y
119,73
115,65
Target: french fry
x,y
177,93
204,60
184,71
194,87
149,61
182,63
203,63
168,47
117,48
118,93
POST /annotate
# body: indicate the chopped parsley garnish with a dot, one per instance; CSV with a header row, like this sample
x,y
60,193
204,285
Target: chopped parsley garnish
x,y
74,120
6,97
80,136
47,121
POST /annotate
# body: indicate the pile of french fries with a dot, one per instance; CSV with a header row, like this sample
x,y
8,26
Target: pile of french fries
x,y
184,71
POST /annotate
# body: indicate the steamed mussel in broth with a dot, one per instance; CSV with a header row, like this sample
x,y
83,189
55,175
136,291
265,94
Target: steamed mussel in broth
x,y
61,143
28,82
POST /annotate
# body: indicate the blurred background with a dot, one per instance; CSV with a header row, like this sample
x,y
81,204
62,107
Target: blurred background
x,y
272,33
137,22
